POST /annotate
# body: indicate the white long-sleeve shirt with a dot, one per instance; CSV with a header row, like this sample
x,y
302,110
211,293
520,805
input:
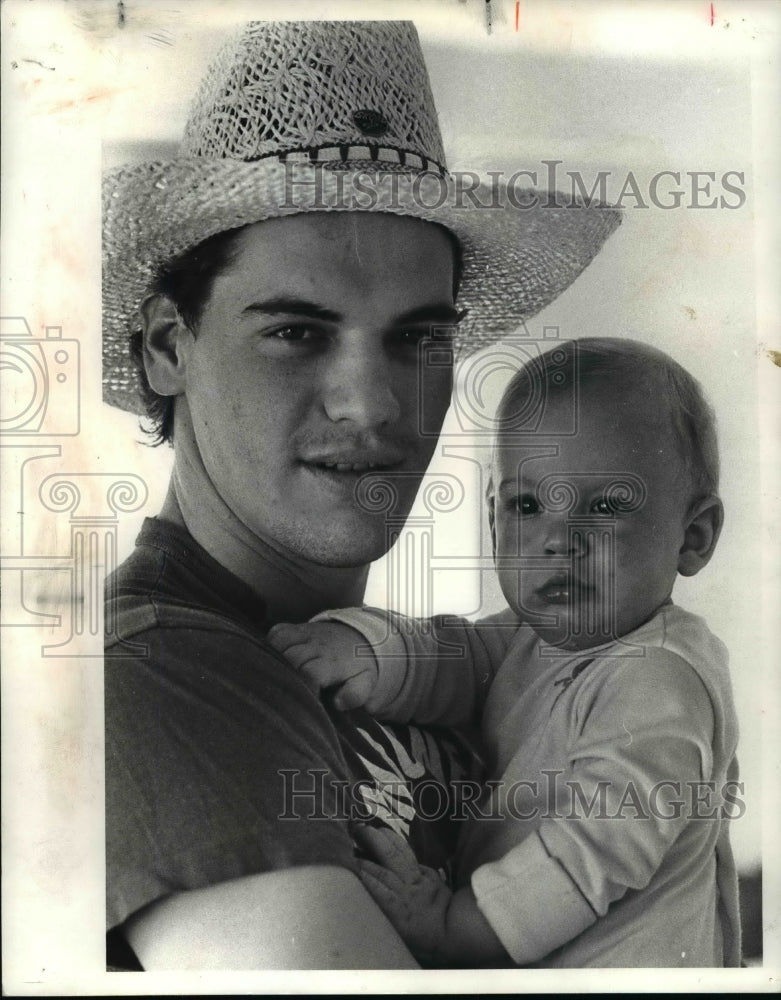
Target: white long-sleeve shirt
x,y
601,838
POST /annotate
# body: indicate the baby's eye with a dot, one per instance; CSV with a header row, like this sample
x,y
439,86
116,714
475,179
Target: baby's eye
x,y
602,506
526,504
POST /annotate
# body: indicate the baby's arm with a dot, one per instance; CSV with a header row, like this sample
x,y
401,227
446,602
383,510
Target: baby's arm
x,y
639,735
423,670
649,727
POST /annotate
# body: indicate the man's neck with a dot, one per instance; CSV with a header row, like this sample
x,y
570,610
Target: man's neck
x,y
292,588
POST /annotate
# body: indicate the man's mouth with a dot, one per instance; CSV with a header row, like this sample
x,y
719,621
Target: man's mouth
x,y
351,466
354,464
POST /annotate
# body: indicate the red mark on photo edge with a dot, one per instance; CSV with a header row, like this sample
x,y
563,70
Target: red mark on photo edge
x,y
518,11
711,15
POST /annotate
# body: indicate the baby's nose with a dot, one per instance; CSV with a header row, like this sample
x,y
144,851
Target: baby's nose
x,y
564,538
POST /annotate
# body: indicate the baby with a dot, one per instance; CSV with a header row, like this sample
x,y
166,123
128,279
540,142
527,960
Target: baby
x,y
605,711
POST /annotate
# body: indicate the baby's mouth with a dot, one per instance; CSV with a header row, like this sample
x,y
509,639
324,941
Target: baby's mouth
x,y
560,589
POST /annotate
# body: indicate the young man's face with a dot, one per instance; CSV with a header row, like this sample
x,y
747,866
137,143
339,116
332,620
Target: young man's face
x,y
600,567
304,375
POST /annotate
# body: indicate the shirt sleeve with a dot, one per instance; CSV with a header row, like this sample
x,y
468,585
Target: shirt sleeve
x,y
639,732
432,671
219,763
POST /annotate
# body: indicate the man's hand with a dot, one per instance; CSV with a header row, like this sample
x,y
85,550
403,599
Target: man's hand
x,y
413,897
324,653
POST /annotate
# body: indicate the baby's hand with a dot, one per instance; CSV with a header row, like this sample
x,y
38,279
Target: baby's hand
x,y
413,897
324,654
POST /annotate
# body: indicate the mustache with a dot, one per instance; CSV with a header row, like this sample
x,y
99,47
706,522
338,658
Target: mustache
x,y
366,447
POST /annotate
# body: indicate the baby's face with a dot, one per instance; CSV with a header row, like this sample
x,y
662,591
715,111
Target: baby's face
x,y
597,519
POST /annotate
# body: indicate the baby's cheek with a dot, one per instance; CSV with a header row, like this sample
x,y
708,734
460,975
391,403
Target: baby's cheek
x,y
511,588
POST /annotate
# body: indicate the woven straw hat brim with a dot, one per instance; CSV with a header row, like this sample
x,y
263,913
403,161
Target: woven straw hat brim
x,y
516,260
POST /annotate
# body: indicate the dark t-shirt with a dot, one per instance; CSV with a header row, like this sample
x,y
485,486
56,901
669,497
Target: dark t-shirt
x,y
220,762
212,740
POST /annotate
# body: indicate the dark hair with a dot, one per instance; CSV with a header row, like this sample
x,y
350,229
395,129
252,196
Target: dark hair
x,y
617,361
187,281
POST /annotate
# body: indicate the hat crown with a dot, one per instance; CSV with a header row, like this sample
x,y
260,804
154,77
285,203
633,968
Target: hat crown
x,y
298,86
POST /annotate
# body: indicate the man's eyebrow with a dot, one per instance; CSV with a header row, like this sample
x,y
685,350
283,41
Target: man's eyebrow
x,y
440,312
293,307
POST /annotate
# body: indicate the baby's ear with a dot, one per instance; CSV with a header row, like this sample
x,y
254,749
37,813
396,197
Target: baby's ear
x,y
702,532
490,502
492,523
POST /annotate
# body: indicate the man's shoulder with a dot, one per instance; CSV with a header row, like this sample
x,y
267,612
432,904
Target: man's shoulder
x,y
169,584
137,613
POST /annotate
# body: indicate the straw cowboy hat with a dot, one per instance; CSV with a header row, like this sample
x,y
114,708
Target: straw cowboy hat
x,y
329,116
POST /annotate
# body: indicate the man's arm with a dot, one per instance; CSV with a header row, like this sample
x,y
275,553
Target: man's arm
x,y
296,918
220,764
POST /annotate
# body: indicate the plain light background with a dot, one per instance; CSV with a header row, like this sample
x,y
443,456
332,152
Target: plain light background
x,y
601,86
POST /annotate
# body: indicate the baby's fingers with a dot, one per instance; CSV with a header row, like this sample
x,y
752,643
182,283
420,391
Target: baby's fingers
x,y
322,672
390,850
379,874
355,691
385,888
307,659
284,636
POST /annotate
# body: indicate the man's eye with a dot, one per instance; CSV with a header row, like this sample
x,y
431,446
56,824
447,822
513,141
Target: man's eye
x,y
295,332
526,504
437,333
412,336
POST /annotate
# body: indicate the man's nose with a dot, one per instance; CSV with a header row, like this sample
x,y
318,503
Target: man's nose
x,y
359,387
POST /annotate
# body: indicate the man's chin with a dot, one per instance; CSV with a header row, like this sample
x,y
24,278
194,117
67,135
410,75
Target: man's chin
x,y
344,547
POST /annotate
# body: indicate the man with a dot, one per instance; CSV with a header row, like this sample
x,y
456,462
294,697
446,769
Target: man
x,y
291,268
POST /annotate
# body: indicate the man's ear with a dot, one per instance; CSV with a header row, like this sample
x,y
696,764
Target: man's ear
x,y
702,533
166,345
